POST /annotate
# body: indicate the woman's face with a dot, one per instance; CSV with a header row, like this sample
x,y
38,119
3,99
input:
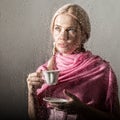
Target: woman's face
x,y
67,34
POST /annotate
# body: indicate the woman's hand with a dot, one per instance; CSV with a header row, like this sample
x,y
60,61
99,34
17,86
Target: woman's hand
x,y
72,106
34,81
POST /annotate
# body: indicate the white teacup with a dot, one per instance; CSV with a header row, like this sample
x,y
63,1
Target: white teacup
x,y
51,76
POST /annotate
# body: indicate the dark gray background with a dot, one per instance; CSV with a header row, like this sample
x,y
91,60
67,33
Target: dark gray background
x,y
25,43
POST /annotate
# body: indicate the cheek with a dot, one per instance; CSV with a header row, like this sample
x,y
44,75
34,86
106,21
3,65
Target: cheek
x,y
55,36
75,41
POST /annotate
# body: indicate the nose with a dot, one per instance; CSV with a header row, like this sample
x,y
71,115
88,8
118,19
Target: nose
x,y
63,35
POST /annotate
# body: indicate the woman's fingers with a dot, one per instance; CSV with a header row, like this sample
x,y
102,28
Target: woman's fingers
x,y
39,74
35,74
36,83
32,75
69,95
34,80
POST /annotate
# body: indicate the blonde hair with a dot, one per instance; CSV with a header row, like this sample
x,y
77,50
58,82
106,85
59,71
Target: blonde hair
x,y
78,13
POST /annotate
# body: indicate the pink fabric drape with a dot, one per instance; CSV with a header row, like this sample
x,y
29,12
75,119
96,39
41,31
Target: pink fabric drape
x,y
87,76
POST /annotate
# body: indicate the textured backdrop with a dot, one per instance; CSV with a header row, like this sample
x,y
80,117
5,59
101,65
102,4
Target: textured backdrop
x,y
25,43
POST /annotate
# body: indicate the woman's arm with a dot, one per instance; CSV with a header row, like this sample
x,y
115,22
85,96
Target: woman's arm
x,y
31,107
34,81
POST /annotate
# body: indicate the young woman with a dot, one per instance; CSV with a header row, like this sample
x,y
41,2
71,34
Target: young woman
x,y
86,80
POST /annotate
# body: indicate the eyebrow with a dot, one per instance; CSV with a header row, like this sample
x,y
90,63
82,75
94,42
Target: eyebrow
x,y
67,27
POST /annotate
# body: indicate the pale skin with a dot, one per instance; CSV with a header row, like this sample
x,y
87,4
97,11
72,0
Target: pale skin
x,y
67,37
67,34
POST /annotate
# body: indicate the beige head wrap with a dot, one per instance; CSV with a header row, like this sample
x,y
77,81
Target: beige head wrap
x,y
79,14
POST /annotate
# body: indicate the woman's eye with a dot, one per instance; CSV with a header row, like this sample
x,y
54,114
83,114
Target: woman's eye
x,y
57,28
72,30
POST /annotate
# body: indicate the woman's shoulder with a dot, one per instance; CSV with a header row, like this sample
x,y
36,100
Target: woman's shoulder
x,y
97,58
93,55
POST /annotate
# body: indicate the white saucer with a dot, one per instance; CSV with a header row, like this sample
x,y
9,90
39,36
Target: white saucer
x,y
55,100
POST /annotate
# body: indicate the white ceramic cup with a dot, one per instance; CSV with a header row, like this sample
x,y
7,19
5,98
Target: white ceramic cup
x,y
51,76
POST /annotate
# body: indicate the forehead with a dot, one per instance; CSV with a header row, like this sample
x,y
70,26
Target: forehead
x,y
65,20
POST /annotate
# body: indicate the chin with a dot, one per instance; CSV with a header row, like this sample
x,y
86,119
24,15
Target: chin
x,y
65,51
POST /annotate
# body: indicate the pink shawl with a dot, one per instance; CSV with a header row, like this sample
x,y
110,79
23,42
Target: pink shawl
x,y
87,76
